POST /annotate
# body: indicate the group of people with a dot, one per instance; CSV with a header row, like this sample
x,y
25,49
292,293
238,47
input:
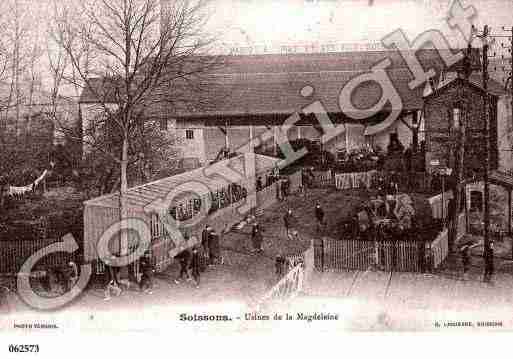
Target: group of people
x,y
191,266
64,276
289,222
270,179
282,189
114,284
194,261
390,217
358,160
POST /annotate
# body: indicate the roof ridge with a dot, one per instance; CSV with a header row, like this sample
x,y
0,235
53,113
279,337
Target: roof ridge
x,y
360,70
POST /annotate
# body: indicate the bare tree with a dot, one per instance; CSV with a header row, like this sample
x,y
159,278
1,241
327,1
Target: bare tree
x,y
134,60
19,71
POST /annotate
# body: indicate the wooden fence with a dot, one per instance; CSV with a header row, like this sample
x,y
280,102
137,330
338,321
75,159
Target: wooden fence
x,y
355,180
387,255
440,248
14,253
324,178
401,255
306,258
418,182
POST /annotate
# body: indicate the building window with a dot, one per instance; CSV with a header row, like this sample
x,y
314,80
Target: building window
x,y
476,201
456,120
189,134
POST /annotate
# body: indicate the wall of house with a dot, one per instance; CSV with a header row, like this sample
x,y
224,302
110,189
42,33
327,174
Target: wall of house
x,y
191,147
505,131
437,113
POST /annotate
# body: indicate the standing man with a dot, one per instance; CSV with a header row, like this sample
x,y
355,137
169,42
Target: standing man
x,y
204,242
286,188
256,237
465,260
259,184
282,189
279,264
319,215
302,188
184,260
195,266
147,270
213,247
287,221
489,268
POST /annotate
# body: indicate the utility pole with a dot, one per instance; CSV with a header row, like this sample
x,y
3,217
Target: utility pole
x,y
459,124
487,252
487,247
459,118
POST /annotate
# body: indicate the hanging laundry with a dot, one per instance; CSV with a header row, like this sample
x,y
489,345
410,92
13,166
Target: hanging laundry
x,y
19,191
40,178
14,191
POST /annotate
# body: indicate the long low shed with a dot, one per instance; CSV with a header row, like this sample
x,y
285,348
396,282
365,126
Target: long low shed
x,y
102,213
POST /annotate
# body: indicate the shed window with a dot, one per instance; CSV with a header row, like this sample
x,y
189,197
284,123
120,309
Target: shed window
x,y
157,228
163,124
189,134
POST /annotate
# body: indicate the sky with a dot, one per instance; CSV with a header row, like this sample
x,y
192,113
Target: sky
x,y
278,26
269,25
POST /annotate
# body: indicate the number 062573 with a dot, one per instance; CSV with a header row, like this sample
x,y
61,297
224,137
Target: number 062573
x,y
24,348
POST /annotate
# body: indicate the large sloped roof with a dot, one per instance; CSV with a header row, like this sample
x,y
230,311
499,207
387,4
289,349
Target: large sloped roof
x,y
271,84
213,177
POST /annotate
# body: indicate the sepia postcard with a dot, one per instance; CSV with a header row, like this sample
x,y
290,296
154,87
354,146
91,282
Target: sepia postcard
x,y
244,166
